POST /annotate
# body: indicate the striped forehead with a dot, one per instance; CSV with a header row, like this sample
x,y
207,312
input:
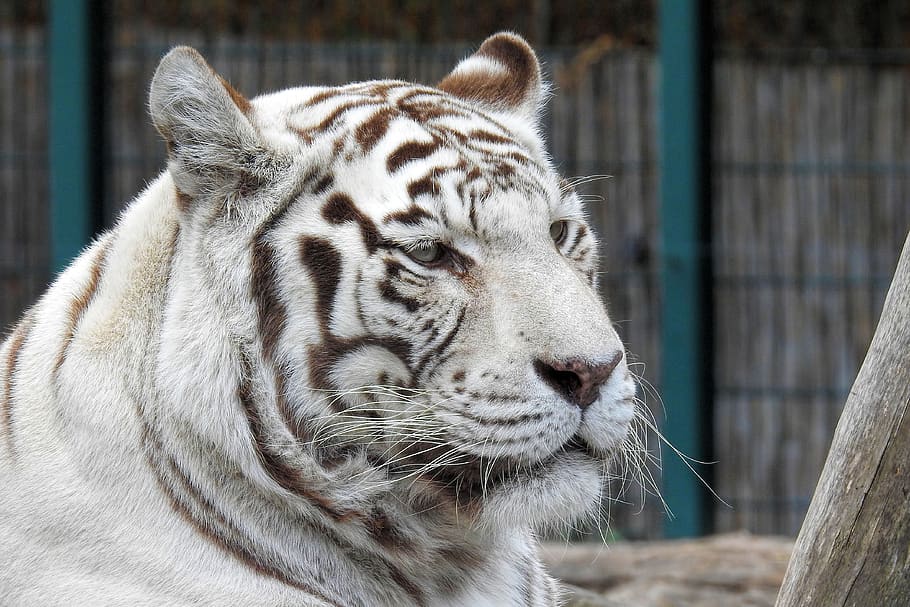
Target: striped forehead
x,y
396,146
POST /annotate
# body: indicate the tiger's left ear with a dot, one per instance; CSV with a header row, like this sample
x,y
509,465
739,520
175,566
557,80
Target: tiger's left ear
x,y
502,76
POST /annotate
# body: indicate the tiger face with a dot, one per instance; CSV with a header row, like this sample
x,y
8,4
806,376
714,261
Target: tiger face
x,y
410,284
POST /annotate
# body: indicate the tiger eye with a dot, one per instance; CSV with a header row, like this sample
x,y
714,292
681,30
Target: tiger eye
x,y
429,253
558,231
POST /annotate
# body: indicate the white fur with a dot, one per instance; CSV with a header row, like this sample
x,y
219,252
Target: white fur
x,y
162,370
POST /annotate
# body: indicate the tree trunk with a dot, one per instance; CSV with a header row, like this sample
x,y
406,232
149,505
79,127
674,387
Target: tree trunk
x,y
854,546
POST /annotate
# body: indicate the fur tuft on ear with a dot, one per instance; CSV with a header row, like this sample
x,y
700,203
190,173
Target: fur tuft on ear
x,y
503,75
204,121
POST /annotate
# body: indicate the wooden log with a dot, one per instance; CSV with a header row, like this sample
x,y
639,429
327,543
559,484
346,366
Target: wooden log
x,y
735,569
854,546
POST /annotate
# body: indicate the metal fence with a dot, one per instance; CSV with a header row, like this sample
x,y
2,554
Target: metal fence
x,y
810,207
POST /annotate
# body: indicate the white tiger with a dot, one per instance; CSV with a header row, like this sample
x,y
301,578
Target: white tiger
x,y
346,350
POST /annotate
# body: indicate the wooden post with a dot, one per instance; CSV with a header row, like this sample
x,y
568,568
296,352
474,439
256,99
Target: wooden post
x,y
854,546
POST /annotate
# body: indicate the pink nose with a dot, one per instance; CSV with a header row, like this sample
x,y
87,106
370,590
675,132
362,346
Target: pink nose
x,y
575,380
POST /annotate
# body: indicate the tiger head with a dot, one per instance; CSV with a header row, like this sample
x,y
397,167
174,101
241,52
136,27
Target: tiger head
x,y
405,287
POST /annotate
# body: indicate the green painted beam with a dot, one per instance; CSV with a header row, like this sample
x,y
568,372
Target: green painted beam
x,y
72,192
684,207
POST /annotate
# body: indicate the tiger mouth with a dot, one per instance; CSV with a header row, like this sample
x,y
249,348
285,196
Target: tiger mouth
x,y
473,479
577,444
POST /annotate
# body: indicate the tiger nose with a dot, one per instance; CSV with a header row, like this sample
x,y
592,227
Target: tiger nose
x,y
575,380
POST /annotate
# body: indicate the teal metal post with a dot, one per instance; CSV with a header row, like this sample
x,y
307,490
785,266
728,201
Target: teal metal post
x,y
684,190
70,136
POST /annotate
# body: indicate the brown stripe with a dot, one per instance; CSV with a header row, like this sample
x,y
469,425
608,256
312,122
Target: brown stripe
x,y
323,262
272,312
322,186
388,292
184,201
264,285
395,269
442,347
323,96
336,114
410,151
378,89
472,213
385,532
579,234
504,169
423,112
278,470
209,521
81,302
483,135
370,132
263,280
323,357
424,185
16,341
583,253
508,421
413,215
407,585
518,158
340,208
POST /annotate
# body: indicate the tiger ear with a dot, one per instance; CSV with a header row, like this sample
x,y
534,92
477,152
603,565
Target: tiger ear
x,y
503,76
205,123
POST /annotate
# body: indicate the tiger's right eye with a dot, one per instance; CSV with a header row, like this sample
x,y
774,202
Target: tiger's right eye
x,y
427,254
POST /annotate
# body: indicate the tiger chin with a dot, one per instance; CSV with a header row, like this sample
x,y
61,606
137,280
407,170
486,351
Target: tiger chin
x,y
347,349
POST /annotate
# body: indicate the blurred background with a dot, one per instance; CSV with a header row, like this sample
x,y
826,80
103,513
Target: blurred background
x,y
758,198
